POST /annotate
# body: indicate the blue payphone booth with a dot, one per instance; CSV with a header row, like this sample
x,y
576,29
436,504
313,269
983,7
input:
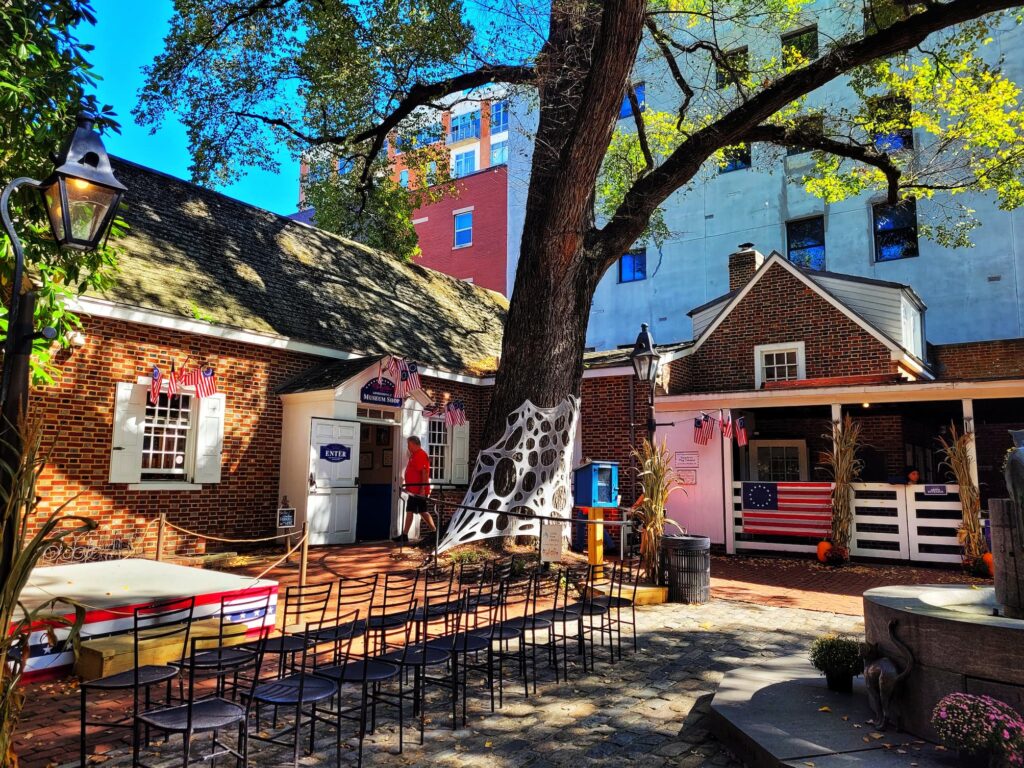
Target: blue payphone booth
x,y
595,484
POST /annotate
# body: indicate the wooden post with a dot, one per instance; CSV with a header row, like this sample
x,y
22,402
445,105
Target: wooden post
x,y
303,556
595,540
1007,558
160,536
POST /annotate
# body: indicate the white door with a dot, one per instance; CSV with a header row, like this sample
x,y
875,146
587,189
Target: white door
x,y
333,481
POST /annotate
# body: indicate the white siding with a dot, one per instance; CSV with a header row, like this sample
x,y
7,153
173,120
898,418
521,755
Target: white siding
x,y
878,304
704,318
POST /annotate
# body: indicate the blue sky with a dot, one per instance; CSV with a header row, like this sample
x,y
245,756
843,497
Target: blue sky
x,y
127,35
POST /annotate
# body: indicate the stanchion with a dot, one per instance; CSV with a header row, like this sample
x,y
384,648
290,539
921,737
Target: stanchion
x,y
160,536
595,540
303,556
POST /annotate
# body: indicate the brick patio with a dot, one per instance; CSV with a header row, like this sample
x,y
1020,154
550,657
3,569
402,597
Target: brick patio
x,y
762,606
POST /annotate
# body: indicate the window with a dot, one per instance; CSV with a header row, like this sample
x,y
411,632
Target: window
x,y
464,126
880,14
633,266
499,153
465,163
499,117
165,438
801,45
431,134
463,229
805,242
895,230
778,362
778,461
403,177
626,110
735,158
890,119
437,449
734,69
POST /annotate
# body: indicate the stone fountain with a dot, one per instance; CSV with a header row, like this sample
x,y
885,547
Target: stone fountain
x,y
964,638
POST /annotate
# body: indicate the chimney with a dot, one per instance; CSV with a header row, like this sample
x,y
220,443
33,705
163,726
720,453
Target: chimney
x,y
743,264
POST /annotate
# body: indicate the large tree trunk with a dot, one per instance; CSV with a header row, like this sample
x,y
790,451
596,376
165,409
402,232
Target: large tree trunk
x,y
582,75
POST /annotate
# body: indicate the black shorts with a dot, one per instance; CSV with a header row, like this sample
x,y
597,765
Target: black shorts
x,y
416,504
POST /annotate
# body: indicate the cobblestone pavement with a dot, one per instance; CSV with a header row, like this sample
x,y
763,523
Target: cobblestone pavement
x,y
649,708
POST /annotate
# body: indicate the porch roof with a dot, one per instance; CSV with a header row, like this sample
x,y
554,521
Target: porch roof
x,y
192,252
329,375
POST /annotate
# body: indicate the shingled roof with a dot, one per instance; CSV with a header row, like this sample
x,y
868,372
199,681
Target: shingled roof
x,y
191,251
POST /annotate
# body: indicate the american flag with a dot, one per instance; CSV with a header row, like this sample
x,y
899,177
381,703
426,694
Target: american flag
x,y
703,429
392,367
741,431
408,379
433,410
206,385
787,509
455,414
172,382
154,386
189,377
727,425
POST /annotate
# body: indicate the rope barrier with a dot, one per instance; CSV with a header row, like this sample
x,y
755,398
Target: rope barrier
x,y
224,539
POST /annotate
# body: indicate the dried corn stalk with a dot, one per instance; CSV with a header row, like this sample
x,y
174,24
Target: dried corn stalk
x,y
657,481
845,468
959,461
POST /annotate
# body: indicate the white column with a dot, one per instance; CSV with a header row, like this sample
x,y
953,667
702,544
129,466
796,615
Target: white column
x,y
972,446
727,495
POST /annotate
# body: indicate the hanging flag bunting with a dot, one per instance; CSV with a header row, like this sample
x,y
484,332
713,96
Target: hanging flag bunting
x,y
741,431
154,386
727,429
455,414
703,429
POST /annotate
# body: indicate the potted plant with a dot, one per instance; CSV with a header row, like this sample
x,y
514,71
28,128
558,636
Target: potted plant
x,y
844,466
657,482
838,658
984,731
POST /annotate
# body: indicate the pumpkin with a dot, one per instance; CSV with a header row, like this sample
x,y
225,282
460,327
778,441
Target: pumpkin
x,y
987,559
824,547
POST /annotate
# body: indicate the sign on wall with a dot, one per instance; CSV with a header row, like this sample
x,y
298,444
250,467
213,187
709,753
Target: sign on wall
x,y
380,392
335,453
935,490
551,537
687,460
687,476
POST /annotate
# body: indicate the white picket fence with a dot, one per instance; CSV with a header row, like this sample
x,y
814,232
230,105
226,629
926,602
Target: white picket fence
x,y
898,522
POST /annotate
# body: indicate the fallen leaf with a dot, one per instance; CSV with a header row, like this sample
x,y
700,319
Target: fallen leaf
x,y
846,717
857,725
865,739
488,744
809,763
876,735
826,708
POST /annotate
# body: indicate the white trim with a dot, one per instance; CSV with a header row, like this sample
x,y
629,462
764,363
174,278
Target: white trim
x,y
421,220
457,211
600,373
788,346
156,318
886,393
165,486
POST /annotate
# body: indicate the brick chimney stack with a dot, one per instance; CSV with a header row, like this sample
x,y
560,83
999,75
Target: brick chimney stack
x,y
743,264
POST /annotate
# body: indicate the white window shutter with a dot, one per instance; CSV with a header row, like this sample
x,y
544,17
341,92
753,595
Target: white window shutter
x,y
209,439
129,424
460,454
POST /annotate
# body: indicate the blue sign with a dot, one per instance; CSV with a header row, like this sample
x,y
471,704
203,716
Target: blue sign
x,y
335,453
380,392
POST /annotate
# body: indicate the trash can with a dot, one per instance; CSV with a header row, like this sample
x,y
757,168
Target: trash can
x,y
686,567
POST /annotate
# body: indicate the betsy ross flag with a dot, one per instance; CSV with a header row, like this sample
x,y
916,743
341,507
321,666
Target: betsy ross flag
x,y
727,425
787,509
703,429
206,384
408,379
455,414
741,431
154,386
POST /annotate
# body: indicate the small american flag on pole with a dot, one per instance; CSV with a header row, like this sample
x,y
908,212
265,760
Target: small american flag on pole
x,y
703,429
172,382
727,429
455,414
154,386
206,385
741,431
391,367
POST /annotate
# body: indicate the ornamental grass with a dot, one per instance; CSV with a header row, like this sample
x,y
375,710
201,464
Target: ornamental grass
x,y
976,724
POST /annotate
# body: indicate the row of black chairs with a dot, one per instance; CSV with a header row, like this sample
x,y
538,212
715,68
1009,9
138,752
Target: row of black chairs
x,y
389,638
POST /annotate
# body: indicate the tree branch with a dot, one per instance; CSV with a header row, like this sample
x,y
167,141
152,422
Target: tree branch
x,y
648,192
673,67
641,131
800,137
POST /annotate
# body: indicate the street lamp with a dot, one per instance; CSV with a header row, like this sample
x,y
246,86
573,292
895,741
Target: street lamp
x,y
646,359
81,198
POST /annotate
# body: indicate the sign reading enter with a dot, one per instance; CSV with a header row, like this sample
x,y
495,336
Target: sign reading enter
x,y
687,460
335,453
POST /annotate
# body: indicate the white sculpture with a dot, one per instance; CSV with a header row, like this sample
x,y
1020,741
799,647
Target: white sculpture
x,y
526,473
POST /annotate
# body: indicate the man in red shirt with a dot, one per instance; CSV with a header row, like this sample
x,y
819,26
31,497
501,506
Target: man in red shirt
x,y
417,483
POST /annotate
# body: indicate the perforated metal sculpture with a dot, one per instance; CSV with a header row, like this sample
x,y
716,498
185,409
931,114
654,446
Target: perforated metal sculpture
x,y
525,473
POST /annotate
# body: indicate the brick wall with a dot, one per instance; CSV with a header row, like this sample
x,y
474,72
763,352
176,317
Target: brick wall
x,y
78,414
979,359
483,261
606,431
780,308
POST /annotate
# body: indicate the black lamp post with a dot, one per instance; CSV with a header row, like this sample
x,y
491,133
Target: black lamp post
x,y
646,359
81,198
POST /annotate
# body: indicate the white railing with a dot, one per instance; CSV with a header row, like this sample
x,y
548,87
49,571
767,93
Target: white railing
x,y
899,522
